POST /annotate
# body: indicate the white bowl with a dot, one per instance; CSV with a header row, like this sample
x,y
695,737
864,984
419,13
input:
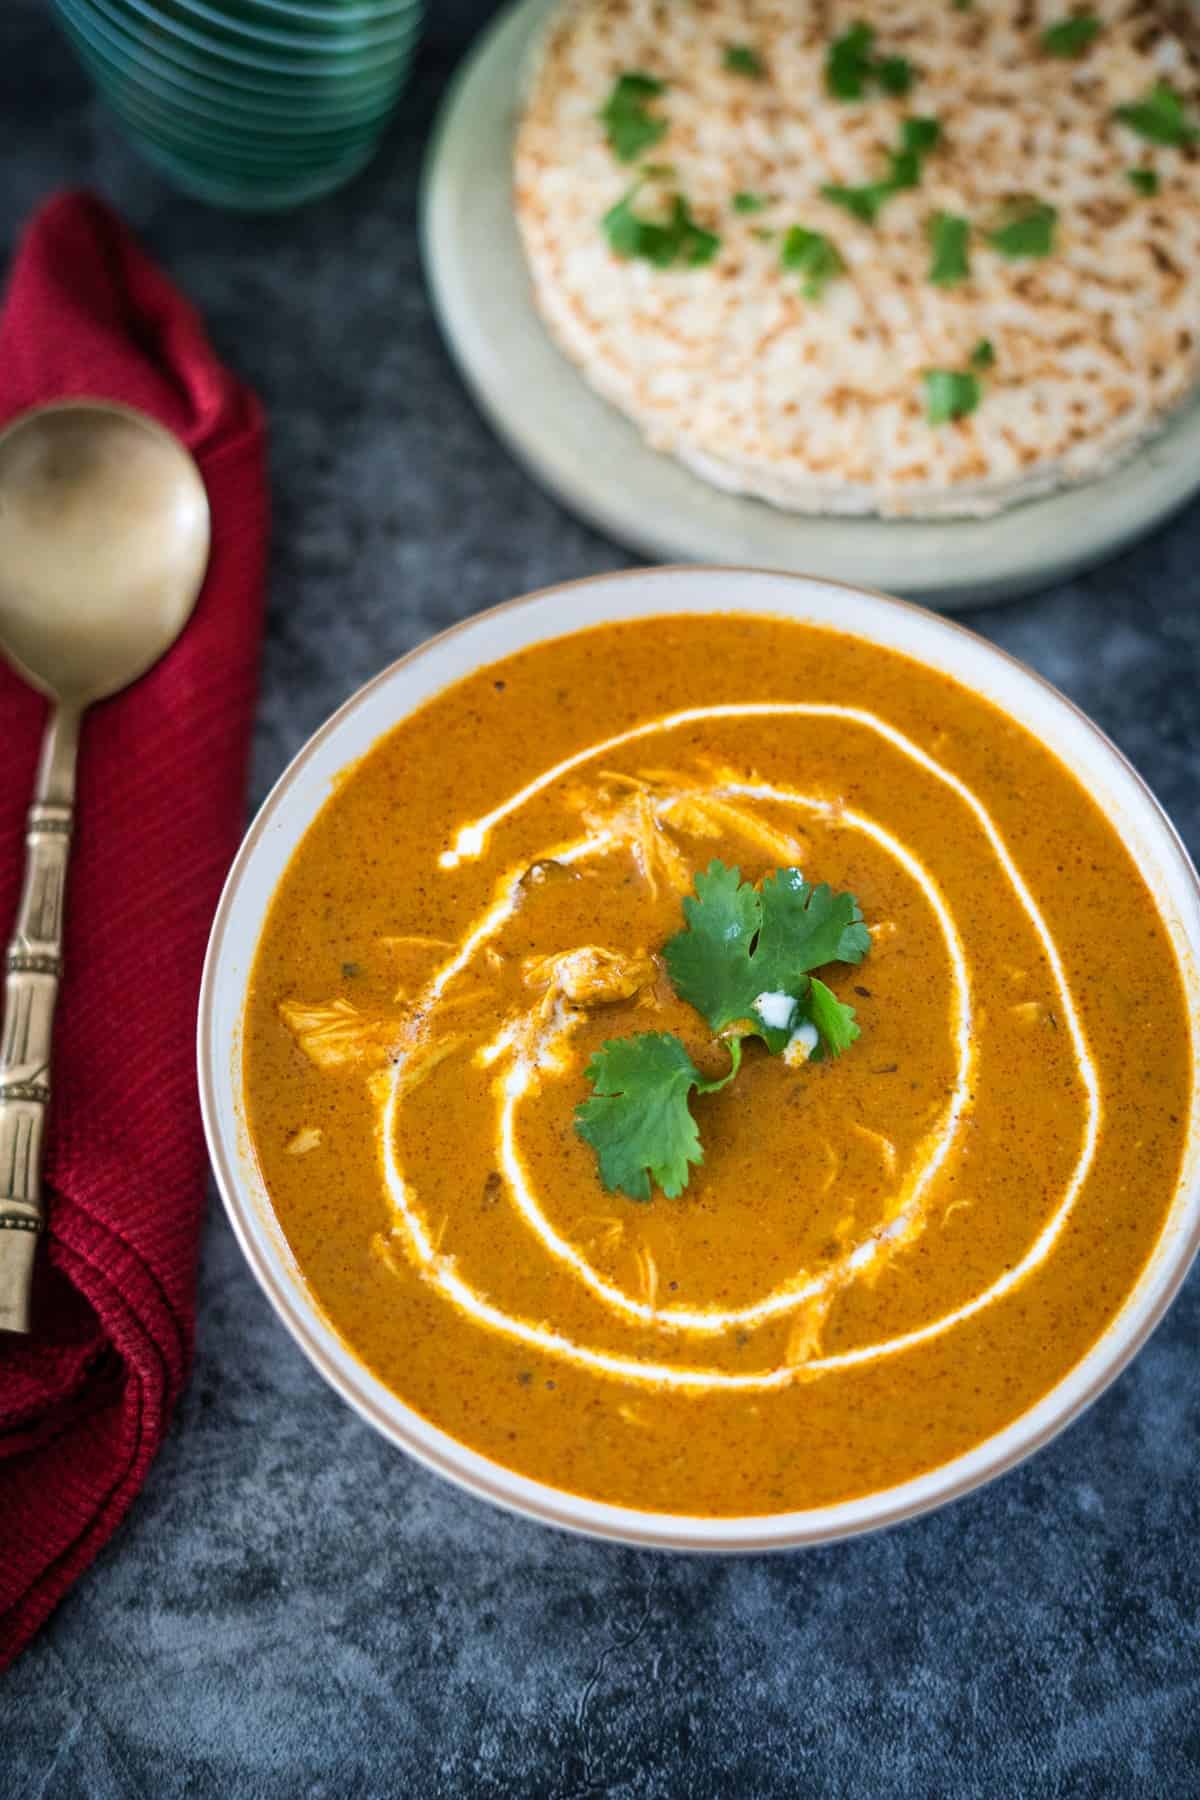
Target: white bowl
x,y
306,785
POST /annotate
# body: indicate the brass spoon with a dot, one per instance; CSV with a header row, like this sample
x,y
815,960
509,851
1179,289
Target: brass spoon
x,y
104,538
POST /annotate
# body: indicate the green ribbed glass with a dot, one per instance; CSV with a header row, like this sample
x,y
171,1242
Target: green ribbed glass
x,y
255,104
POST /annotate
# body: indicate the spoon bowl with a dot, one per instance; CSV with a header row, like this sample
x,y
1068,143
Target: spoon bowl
x,y
104,540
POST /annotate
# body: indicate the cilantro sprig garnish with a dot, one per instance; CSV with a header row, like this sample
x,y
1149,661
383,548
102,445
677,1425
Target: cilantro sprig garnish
x,y
638,1120
745,961
950,394
812,255
919,136
851,66
741,59
742,942
1071,37
663,242
1160,117
629,125
905,165
849,62
1028,231
949,256
863,202
1144,180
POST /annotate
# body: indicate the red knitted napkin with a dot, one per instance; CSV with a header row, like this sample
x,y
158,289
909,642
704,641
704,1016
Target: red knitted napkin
x,y
85,1400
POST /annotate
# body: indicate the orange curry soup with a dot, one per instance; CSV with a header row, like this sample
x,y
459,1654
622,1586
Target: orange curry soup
x,y
884,1257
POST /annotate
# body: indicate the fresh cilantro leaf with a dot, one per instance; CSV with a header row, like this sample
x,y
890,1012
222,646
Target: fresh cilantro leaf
x,y
894,74
917,138
811,254
904,170
983,355
741,946
677,239
920,135
860,202
962,5
1071,37
804,927
740,59
694,245
1144,180
849,63
634,88
1159,116
833,1019
741,942
629,126
749,203
709,962
949,394
638,1120
948,238
1030,232
629,236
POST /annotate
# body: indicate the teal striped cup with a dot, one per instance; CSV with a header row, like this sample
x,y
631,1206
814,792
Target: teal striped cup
x,y
254,104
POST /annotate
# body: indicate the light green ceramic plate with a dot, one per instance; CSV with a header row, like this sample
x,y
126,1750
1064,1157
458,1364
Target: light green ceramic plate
x,y
597,463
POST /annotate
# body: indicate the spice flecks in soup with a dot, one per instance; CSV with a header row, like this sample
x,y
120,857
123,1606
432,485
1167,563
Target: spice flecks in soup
x,y
883,1257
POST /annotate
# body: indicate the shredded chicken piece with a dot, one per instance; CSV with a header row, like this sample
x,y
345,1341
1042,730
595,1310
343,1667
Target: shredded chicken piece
x,y
634,823
656,798
691,813
456,1002
334,1034
833,1163
703,814
804,1338
607,1233
620,779
654,852
420,1063
305,1140
884,1145
844,1227
647,1276
592,976
413,955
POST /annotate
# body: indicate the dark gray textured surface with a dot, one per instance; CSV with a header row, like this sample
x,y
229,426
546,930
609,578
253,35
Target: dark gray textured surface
x,y
294,1609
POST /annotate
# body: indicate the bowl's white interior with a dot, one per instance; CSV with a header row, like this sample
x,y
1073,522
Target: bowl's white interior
x,y
302,791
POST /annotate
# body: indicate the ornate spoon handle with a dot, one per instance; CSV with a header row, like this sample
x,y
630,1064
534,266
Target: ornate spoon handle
x,y
33,966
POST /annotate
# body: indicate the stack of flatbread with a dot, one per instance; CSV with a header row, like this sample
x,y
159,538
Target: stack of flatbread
x,y
838,326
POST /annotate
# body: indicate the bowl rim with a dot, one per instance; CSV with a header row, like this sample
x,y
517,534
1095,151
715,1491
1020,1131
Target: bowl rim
x,y
218,1069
